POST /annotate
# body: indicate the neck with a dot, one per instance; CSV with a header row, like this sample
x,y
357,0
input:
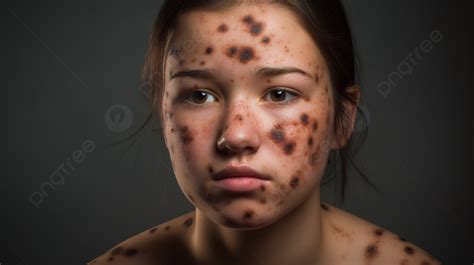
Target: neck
x,y
296,238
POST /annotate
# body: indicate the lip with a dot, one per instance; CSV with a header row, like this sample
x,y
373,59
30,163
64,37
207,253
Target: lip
x,y
239,179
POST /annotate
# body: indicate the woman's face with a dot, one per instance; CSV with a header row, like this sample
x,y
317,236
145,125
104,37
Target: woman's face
x,y
246,87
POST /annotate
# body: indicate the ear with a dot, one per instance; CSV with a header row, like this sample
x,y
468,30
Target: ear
x,y
348,104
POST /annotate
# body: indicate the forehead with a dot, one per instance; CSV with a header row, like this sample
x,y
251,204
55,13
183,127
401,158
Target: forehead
x,y
244,36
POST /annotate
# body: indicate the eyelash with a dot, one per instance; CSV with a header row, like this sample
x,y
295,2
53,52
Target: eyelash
x,y
190,93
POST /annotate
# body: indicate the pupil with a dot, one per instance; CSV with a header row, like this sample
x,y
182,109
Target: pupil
x,y
278,95
199,96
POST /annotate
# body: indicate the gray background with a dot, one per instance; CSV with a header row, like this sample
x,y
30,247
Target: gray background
x,y
66,64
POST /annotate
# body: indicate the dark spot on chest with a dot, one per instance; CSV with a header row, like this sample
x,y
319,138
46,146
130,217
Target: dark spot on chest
x,y
116,250
295,180
378,232
409,250
325,207
223,28
188,222
131,252
209,50
304,118
371,251
248,214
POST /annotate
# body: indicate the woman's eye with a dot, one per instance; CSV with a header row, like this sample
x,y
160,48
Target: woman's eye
x,y
280,95
200,97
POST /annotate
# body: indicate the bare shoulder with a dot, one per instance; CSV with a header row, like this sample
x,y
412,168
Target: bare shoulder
x,y
360,241
163,244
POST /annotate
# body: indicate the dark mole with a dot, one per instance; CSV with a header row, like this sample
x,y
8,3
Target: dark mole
x,y
304,118
324,207
248,19
256,29
246,54
294,181
289,148
248,214
371,251
310,141
379,232
167,228
262,188
277,136
315,126
232,51
188,222
211,170
409,250
186,136
202,63
239,117
152,230
265,40
209,50
117,250
223,28
131,252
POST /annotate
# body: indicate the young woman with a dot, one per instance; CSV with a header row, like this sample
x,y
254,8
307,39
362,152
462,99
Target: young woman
x,y
253,96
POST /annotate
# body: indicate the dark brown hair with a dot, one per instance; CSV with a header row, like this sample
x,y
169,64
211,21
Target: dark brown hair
x,y
326,23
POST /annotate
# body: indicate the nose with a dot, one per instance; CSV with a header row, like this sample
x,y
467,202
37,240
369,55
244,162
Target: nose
x,y
240,131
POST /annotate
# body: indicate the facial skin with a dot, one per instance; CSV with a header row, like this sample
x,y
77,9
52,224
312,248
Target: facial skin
x,y
277,122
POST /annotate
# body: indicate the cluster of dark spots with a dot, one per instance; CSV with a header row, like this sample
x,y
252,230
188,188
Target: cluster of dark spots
x,y
409,250
248,19
379,232
304,118
223,28
371,251
188,222
211,170
310,141
186,136
248,214
131,252
325,207
255,28
116,250
265,40
277,136
295,180
153,230
209,50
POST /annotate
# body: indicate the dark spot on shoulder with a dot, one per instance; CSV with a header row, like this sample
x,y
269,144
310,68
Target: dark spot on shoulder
x,y
325,207
152,230
116,250
223,28
295,180
188,222
379,232
248,214
371,251
131,252
409,250
246,54
304,118
209,50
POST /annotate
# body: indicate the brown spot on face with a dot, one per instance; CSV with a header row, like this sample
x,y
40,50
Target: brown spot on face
x,y
409,250
378,232
202,63
248,19
263,201
326,88
262,188
246,54
152,230
116,250
186,136
310,141
256,29
223,28
131,252
269,81
316,78
239,117
324,206
289,148
232,80
211,170
188,222
371,251
277,136
315,126
266,40
209,50
248,214
295,180
304,118
231,51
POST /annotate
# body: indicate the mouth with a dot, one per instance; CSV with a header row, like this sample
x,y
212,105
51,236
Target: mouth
x,y
239,179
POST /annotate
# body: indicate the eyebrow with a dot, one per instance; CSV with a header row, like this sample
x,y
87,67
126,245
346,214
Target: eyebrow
x,y
265,72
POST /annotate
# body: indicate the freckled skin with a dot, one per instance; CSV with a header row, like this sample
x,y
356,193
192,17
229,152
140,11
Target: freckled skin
x,y
304,118
371,251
